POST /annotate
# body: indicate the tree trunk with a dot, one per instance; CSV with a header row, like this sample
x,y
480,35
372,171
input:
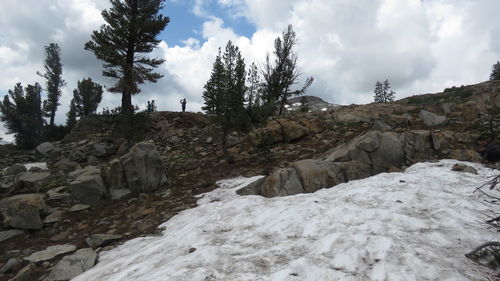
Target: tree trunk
x,y
52,116
126,103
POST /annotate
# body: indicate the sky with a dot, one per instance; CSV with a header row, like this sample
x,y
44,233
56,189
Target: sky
x,y
420,46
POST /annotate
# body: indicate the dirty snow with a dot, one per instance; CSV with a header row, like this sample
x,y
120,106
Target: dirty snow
x,y
415,225
41,165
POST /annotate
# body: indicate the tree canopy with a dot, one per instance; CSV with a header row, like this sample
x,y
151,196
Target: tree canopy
x,y
383,93
495,71
21,111
123,42
54,81
281,74
86,97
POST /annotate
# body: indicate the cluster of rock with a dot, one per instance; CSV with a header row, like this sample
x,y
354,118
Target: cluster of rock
x,y
42,194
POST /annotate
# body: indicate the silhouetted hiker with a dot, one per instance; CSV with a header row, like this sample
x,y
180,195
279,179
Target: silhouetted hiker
x,y
153,106
149,107
183,103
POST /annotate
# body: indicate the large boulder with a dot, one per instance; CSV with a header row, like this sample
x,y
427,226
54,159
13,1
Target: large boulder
x,y
281,183
73,265
47,149
115,180
316,174
15,169
431,120
31,180
86,185
143,168
23,211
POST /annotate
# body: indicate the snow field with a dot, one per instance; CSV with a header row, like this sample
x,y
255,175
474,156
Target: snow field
x,y
415,225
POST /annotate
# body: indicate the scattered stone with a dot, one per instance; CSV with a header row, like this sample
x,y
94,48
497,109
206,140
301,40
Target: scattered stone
x,y
10,266
380,125
192,250
464,168
431,120
5,235
15,169
54,217
79,208
86,185
57,193
25,274
100,240
100,150
23,211
50,253
73,265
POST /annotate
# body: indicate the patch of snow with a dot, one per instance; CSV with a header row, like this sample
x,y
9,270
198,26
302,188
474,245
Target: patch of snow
x,y
41,165
415,225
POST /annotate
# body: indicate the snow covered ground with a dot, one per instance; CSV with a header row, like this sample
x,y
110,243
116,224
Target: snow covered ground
x,y
415,225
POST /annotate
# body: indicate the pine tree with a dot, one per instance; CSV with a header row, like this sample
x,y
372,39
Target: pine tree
x,y
86,97
214,87
495,71
130,30
54,83
383,93
21,111
280,76
304,104
71,115
253,87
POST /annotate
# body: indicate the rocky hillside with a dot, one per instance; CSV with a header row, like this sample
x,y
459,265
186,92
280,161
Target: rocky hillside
x,y
96,188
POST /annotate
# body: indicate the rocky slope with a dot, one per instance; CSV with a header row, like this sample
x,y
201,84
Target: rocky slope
x,y
99,189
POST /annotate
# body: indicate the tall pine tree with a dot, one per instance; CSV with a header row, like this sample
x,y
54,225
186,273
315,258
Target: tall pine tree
x,y
281,75
21,112
214,86
54,81
86,97
123,42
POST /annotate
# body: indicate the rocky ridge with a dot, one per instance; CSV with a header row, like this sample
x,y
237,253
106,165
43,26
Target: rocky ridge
x,y
98,189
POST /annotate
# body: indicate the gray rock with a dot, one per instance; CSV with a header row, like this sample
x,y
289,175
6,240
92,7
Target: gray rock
x,y
32,180
254,188
15,169
232,140
78,208
54,217
25,274
99,150
380,125
23,211
143,168
464,168
10,266
78,156
47,149
66,165
73,265
5,235
58,193
50,253
317,174
430,119
281,183
86,185
101,240
115,179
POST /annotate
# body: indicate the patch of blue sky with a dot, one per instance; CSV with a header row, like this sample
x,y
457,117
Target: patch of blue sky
x,y
187,22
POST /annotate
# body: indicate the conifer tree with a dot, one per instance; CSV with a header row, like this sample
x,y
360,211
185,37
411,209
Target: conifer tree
x,y
54,83
21,111
282,74
253,87
71,115
124,42
214,87
495,71
383,93
86,97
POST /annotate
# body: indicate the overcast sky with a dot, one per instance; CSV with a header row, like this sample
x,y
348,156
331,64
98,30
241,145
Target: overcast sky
x,y
421,46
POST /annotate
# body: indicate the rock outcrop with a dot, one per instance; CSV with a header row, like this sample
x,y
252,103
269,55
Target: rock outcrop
x,y
86,185
23,211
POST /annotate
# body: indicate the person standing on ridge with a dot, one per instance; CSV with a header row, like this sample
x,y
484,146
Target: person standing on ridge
x,y
183,104
149,107
153,106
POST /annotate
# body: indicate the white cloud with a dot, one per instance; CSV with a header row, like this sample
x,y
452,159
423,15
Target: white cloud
x,y
421,46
